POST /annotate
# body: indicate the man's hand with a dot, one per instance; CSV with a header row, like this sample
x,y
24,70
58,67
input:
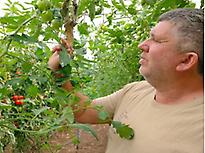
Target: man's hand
x,y
54,60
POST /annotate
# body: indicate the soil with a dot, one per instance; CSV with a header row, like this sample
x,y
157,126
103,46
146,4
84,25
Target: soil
x,y
88,143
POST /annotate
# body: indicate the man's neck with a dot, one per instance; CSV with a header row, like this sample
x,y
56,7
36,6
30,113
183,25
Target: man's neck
x,y
179,91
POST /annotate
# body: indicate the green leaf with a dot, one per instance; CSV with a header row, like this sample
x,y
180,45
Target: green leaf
x,y
122,3
66,71
84,127
82,5
64,57
103,115
132,10
151,2
91,8
32,90
39,111
104,4
39,53
118,5
23,38
4,91
116,124
15,82
75,140
68,114
4,106
26,67
83,28
123,130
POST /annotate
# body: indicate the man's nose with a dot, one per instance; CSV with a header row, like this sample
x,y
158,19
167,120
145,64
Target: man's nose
x,y
144,46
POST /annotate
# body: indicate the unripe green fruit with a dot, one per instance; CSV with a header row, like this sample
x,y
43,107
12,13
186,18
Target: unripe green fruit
x,y
56,24
47,16
43,5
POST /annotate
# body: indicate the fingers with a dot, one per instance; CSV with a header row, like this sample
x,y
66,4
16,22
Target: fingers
x,y
64,42
53,62
57,48
68,46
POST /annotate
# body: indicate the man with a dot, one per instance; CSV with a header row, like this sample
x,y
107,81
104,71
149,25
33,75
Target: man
x,y
166,110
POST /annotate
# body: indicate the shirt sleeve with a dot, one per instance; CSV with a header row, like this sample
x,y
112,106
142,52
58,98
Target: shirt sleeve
x,y
111,102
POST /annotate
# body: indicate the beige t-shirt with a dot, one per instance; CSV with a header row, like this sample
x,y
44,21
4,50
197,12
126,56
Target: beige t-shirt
x,y
158,128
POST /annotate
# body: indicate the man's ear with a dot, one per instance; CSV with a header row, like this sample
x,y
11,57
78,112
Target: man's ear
x,y
188,60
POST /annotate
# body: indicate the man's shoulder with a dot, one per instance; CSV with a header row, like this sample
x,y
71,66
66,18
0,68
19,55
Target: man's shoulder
x,y
138,85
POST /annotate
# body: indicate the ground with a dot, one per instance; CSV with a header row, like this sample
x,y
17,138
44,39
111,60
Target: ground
x,y
88,143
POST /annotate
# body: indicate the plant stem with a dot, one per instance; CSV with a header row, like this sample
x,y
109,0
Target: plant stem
x,y
15,32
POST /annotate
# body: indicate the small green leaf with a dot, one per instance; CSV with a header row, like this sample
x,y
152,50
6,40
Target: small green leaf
x,y
32,90
91,8
26,67
75,140
66,70
116,124
39,53
123,130
83,28
64,57
4,91
82,5
4,106
86,128
68,114
117,5
39,111
132,10
103,115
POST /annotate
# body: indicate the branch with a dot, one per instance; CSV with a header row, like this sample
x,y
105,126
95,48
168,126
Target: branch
x,y
7,48
15,32
24,23
75,10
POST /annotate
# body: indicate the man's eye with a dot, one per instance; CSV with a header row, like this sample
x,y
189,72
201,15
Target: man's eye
x,y
151,38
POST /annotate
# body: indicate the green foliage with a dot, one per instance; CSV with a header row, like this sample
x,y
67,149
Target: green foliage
x,y
27,33
123,130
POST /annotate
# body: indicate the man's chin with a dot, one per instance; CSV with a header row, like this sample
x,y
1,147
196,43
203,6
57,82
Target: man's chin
x,y
143,72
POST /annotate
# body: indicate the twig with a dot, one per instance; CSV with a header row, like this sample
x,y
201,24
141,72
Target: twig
x,y
15,32
7,48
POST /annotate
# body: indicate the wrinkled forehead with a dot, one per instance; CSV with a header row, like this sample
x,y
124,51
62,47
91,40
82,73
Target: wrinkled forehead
x,y
164,28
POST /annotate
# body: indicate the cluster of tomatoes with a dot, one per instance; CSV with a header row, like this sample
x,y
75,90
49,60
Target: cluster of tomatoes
x,y
18,99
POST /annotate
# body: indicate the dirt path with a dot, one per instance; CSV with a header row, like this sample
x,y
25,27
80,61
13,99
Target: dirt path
x,y
88,144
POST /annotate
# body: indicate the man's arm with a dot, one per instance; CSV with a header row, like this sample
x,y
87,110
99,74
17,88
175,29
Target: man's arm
x,y
82,115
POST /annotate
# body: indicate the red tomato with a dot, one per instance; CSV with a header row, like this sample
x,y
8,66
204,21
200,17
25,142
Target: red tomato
x,y
15,97
20,97
19,102
18,72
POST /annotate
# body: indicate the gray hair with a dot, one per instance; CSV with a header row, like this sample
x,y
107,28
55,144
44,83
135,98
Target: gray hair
x,y
190,28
